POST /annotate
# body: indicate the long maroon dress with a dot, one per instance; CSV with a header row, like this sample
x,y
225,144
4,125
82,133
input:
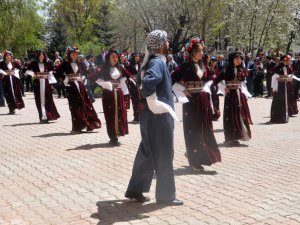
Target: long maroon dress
x,y
127,95
200,141
114,106
11,86
284,102
237,118
43,90
82,110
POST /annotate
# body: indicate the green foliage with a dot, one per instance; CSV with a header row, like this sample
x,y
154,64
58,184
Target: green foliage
x,y
103,29
21,27
86,45
125,23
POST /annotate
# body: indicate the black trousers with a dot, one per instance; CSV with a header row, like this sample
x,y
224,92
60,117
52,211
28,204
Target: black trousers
x,y
258,85
28,83
269,81
60,87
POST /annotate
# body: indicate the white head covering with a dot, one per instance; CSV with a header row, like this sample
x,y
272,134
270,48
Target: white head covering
x,y
154,41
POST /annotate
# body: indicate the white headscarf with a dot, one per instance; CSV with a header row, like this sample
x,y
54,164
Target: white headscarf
x,y
154,41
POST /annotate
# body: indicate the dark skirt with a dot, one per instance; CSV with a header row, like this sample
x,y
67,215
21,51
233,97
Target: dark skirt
x,y
50,108
216,101
127,101
136,100
237,118
82,110
283,105
115,113
292,99
201,145
12,93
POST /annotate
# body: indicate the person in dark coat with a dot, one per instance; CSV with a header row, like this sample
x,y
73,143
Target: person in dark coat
x,y
100,59
250,66
258,78
156,150
59,85
2,99
270,66
9,74
296,68
213,72
221,62
134,68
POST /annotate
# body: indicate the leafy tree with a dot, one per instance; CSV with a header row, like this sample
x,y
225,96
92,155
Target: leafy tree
x,y
103,29
21,28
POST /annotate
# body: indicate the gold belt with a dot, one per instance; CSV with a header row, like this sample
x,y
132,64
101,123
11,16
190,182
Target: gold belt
x,y
10,72
233,85
283,78
193,86
115,83
74,77
39,75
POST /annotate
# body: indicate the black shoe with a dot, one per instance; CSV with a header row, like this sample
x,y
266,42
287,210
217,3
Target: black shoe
x,y
139,197
215,118
235,143
114,142
174,202
198,168
44,121
232,143
11,112
75,132
59,96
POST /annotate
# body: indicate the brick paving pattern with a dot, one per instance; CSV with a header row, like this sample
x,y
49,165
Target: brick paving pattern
x,y
48,176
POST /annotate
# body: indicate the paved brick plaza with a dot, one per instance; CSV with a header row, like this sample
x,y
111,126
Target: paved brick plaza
x,y
48,176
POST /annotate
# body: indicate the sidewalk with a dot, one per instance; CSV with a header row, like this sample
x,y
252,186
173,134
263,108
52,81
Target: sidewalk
x,y
48,176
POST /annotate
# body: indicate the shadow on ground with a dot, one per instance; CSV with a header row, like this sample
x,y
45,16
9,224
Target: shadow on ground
x,y
90,147
61,134
225,145
186,170
25,124
113,211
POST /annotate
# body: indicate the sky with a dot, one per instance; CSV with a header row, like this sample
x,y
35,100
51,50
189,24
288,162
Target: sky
x,y
41,3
